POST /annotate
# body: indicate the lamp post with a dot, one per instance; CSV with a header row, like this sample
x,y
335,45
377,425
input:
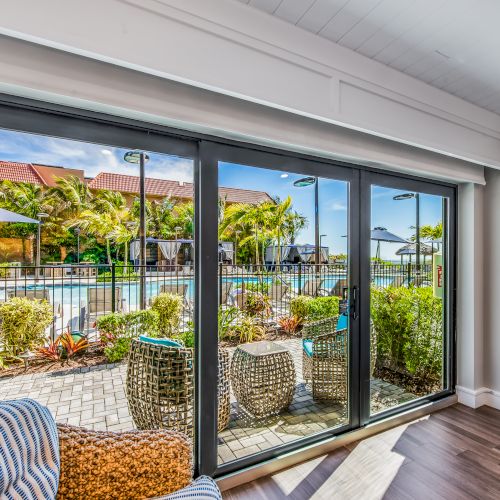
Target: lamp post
x,y
40,216
77,232
304,182
140,158
237,233
409,196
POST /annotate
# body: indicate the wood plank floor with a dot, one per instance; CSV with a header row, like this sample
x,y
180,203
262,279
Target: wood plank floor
x,y
451,454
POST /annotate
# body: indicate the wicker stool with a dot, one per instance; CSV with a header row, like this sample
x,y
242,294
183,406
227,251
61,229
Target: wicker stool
x,y
160,387
263,378
325,368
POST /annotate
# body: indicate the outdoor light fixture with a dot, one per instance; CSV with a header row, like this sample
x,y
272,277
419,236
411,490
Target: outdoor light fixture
x,y
309,181
305,181
409,196
140,158
40,216
135,157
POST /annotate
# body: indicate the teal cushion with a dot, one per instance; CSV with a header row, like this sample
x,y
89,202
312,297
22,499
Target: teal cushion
x,y
307,345
342,322
163,342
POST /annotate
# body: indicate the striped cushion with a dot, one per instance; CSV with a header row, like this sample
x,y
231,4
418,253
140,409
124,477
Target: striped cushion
x,y
29,451
203,488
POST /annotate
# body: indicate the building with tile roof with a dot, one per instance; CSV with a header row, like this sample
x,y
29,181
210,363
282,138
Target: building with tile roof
x,y
128,185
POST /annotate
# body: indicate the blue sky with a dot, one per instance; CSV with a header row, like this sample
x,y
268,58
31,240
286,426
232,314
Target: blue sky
x,y
396,216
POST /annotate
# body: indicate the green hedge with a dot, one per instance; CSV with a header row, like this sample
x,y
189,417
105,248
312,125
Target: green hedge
x,y
311,309
409,326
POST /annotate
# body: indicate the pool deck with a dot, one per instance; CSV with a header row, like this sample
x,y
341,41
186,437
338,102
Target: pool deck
x,y
95,398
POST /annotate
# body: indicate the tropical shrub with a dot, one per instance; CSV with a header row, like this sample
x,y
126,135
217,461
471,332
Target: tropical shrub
x,y
23,323
246,330
409,326
169,309
118,325
121,274
4,271
257,286
118,350
226,319
290,324
63,348
312,309
257,304
117,330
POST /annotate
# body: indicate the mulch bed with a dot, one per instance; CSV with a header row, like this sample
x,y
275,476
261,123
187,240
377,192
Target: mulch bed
x,y
409,383
92,357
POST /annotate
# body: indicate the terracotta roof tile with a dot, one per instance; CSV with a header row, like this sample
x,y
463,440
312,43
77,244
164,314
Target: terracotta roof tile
x,y
19,172
174,189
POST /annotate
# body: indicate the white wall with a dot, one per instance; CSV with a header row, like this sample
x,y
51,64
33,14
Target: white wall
x,y
30,70
492,288
232,49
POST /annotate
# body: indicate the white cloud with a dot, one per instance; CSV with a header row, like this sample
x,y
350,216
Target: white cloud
x,y
338,206
91,158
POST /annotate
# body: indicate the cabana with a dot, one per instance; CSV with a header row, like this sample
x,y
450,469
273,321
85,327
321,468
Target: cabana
x,y
165,255
295,254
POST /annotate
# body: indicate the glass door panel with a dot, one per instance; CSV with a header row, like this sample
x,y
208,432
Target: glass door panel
x,y
283,284
408,296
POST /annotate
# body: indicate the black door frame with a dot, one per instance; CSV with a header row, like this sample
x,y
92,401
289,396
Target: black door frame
x,y
448,192
211,154
27,115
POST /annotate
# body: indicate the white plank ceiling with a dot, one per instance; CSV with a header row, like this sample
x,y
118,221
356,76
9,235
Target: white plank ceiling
x,y
453,45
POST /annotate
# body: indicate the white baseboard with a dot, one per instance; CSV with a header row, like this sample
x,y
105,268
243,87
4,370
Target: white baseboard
x,y
479,397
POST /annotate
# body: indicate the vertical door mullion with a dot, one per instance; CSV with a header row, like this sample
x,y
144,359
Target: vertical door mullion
x,y
354,283
364,297
206,240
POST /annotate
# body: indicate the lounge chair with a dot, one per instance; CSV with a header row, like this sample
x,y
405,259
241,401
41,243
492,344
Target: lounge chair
x,y
225,290
278,293
99,303
313,287
36,294
340,286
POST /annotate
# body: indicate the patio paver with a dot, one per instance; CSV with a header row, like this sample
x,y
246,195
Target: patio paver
x,y
95,398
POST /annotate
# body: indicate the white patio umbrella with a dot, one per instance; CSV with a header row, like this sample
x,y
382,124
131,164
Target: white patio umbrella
x,y
8,216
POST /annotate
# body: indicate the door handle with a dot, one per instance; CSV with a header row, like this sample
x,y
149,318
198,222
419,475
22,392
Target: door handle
x,y
354,302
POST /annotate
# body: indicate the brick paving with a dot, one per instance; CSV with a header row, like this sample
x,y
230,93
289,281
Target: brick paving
x,y
95,398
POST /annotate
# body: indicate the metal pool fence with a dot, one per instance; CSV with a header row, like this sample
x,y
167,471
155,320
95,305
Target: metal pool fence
x,y
80,293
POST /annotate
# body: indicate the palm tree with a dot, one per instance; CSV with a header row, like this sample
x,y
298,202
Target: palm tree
x,y
29,200
255,218
432,232
293,223
278,216
71,195
106,218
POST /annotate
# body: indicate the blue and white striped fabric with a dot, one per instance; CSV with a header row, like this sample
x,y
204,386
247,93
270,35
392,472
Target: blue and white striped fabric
x,y
203,488
29,451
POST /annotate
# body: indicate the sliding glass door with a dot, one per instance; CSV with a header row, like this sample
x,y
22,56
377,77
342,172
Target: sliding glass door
x,y
284,260
312,297
407,318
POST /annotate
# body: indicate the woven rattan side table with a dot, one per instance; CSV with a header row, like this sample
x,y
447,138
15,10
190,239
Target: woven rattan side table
x,y
263,378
